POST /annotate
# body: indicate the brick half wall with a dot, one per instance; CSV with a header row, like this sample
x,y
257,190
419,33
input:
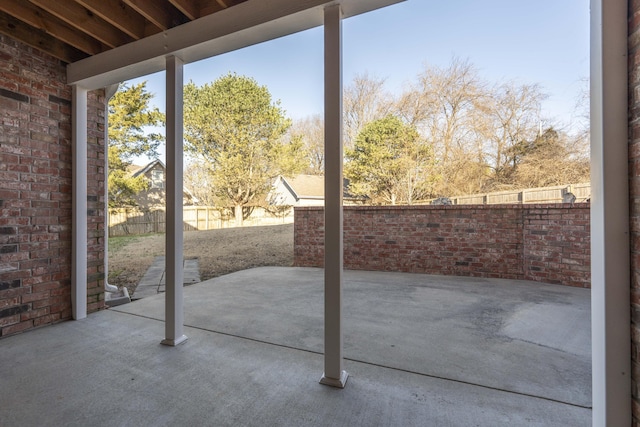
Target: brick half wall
x,y
545,243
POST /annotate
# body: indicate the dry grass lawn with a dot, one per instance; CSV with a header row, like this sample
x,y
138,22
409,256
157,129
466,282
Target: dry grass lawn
x,y
218,251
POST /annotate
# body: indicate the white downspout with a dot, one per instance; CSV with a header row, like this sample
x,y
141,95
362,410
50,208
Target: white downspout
x,y
109,91
79,203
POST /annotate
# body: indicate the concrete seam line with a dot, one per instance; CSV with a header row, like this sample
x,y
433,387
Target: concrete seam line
x,y
364,362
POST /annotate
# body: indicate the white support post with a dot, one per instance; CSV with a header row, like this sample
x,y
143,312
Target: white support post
x,y
174,310
334,375
610,281
79,203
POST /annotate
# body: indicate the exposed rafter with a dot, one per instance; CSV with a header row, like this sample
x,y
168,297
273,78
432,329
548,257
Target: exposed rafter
x,y
42,20
38,39
213,7
76,29
191,8
84,20
163,16
119,15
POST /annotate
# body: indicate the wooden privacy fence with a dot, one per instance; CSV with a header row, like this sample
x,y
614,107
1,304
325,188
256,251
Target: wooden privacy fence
x,y
124,222
531,195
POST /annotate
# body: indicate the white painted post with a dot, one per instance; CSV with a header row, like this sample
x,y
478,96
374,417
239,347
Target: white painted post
x,y
610,277
174,310
334,375
79,203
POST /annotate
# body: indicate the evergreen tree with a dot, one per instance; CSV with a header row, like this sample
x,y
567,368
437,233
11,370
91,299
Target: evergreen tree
x,y
235,130
129,117
390,163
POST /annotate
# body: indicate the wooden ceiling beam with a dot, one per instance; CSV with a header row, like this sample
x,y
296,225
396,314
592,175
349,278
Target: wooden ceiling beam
x,y
42,20
38,39
212,7
219,5
118,14
160,14
191,8
84,20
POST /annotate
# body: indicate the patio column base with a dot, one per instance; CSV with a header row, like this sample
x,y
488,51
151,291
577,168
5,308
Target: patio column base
x,y
174,342
339,383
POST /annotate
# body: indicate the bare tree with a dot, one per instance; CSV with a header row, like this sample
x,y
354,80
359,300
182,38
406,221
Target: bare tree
x,y
311,131
580,140
198,178
444,105
365,100
553,159
484,137
513,123
465,174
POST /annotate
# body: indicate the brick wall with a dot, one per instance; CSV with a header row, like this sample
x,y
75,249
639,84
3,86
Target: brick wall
x,y
35,190
545,243
634,202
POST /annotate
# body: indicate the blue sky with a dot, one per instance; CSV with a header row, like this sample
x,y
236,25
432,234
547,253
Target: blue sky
x,y
544,42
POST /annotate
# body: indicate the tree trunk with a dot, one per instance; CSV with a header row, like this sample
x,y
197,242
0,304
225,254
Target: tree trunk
x,y
238,215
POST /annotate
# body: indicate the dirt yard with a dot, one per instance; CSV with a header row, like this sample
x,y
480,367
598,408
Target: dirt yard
x,y
218,251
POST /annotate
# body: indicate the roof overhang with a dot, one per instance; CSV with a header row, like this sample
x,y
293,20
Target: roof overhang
x,y
246,24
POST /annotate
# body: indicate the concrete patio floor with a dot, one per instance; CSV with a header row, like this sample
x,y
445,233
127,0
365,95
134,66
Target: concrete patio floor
x,y
421,350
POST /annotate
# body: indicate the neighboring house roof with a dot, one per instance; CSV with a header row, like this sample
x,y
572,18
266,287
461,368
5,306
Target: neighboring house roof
x,y
311,187
133,169
144,169
305,186
136,170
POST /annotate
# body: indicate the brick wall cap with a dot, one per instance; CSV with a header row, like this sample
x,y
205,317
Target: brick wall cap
x,y
527,206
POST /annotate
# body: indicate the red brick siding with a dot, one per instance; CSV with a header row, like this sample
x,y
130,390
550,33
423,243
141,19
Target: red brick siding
x,y
545,243
634,202
35,190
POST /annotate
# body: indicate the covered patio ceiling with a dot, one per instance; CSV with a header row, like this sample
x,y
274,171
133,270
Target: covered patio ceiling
x,y
110,41
72,30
